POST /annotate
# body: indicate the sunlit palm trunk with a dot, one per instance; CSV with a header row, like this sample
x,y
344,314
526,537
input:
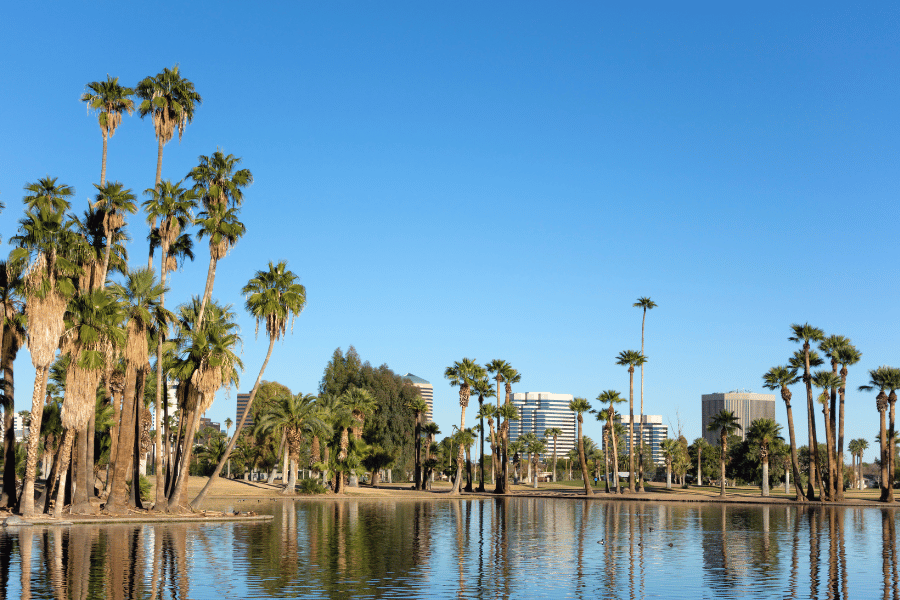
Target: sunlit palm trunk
x,y
829,445
884,453
460,454
207,292
26,501
162,503
765,474
641,427
795,462
890,448
840,437
724,447
631,482
196,501
103,160
584,470
64,459
814,471
159,155
125,449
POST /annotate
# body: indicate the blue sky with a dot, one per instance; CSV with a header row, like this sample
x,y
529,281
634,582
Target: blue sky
x,y
504,181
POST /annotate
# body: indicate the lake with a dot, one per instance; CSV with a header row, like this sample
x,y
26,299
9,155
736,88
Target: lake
x,y
480,548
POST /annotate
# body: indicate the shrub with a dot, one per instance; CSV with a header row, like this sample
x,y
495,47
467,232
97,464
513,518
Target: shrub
x,y
311,486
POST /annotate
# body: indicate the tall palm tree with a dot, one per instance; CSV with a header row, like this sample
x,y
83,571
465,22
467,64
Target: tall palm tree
x,y
644,303
847,356
462,373
274,298
827,380
806,334
109,100
430,430
45,236
631,359
726,423
763,433
488,412
879,379
700,444
553,432
579,406
170,100
420,409
114,200
173,207
12,336
853,447
612,398
207,362
94,321
892,384
779,378
482,387
861,447
144,315
500,369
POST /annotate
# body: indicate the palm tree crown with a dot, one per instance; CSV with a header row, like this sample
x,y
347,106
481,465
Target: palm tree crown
x,y
170,100
109,100
274,296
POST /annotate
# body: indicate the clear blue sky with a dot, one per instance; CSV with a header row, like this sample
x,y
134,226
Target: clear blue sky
x,y
504,181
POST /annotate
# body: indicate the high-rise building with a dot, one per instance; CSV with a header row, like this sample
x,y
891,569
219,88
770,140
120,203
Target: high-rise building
x,y
242,400
427,392
654,434
540,411
746,406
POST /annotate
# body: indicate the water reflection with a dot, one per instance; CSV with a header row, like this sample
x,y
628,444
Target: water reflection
x,y
496,548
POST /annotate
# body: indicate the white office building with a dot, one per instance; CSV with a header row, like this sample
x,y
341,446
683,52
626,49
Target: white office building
x,y
540,411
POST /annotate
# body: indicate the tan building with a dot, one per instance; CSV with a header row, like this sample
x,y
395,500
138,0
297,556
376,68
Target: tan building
x,y
427,392
745,405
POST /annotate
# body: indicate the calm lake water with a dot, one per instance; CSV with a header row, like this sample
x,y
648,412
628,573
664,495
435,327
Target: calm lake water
x,y
495,548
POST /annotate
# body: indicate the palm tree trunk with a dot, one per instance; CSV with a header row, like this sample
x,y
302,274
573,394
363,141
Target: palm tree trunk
x,y
117,499
795,461
884,456
162,503
631,485
460,455
207,292
814,471
481,454
159,155
103,162
890,452
840,440
829,444
64,470
641,427
584,470
765,477
554,459
668,474
26,500
615,450
8,496
184,470
231,443
699,472
724,448
606,457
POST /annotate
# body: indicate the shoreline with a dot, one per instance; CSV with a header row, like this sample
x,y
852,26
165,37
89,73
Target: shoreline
x,y
231,500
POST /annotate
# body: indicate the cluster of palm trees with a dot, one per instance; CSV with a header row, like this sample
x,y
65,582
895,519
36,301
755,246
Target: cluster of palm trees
x,y
69,294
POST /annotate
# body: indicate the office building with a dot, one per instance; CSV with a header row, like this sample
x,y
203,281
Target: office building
x,y
242,400
427,392
654,434
540,411
746,406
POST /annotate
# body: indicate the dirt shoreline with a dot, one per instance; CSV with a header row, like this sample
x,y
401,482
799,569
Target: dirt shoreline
x,y
232,500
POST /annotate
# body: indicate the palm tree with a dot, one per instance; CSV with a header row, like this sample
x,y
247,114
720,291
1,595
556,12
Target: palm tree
x,y
806,334
644,303
827,380
853,447
360,402
274,298
140,295
172,205
462,373
553,432
700,444
482,387
43,241
669,449
289,416
631,359
879,378
109,100
430,430
489,411
223,228
862,446
892,383
536,448
170,100
501,369
847,355
527,438
419,408
764,433
94,324
580,406
466,438
779,378
113,200
606,415
612,398
726,423
12,336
